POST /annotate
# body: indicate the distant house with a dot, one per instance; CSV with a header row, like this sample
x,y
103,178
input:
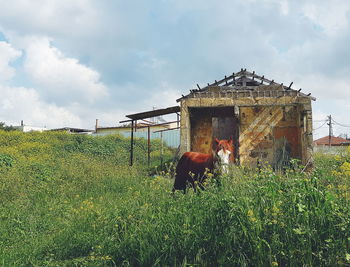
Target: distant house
x,y
332,141
337,145
28,128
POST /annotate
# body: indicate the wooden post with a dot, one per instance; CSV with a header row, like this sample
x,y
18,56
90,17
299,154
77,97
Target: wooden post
x,y
149,146
330,132
132,143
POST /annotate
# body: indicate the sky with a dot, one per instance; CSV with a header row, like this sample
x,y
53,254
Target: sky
x,y
66,63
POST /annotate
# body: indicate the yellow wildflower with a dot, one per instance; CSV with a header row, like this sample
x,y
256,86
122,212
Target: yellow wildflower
x,y
345,168
250,213
251,216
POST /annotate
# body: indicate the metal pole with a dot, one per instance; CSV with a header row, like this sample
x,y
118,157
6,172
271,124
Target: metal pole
x,y
161,152
132,143
96,125
149,145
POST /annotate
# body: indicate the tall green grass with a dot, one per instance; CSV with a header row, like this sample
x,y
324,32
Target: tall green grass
x,y
74,201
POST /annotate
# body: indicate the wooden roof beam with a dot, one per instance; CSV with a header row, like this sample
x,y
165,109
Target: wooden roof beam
x,y
242,74
262,79
220,81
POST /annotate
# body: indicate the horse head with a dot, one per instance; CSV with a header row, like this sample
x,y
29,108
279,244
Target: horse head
x,y
224,152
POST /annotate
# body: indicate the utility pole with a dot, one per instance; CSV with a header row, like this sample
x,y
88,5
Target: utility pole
x,y
330,130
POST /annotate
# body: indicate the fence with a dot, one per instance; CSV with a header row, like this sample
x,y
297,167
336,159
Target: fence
x,y
333,150
170,138
158,151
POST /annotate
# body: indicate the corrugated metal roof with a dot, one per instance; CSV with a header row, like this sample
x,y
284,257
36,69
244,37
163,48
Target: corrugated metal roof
x,y
153,113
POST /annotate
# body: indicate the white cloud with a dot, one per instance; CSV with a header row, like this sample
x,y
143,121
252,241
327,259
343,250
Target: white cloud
x,y
7,54
331,16
60,78
164,98
59,17
327,87
55,76
19,103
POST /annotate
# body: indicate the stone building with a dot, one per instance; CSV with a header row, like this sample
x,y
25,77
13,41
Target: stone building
x,y
269,122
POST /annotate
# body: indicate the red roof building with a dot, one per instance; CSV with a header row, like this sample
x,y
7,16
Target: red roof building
x,y
335,141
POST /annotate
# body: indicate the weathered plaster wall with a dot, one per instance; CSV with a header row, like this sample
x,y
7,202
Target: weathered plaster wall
x,y
269,134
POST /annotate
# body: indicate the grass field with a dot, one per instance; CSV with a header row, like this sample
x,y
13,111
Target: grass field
x,y
70,200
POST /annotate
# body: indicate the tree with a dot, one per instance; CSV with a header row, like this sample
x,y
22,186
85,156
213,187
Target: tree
x,y
4,127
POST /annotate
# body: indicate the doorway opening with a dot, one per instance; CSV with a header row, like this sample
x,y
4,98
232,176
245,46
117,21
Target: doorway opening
x,y
210,123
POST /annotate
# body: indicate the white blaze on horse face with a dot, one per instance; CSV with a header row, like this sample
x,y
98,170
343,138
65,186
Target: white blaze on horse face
x,y
224,159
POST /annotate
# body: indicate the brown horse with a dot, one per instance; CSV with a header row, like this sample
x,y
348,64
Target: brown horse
x,y
194,167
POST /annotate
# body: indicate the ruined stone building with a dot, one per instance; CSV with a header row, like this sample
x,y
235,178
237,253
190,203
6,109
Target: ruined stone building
x,y
269,122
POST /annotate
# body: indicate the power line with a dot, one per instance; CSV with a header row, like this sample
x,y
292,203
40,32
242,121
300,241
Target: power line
x,y
320,126
343,125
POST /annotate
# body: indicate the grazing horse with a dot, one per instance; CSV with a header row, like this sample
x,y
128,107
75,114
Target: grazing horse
x,y
193,166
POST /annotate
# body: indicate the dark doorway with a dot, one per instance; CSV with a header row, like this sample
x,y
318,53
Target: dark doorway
x,y
210,123
226,127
